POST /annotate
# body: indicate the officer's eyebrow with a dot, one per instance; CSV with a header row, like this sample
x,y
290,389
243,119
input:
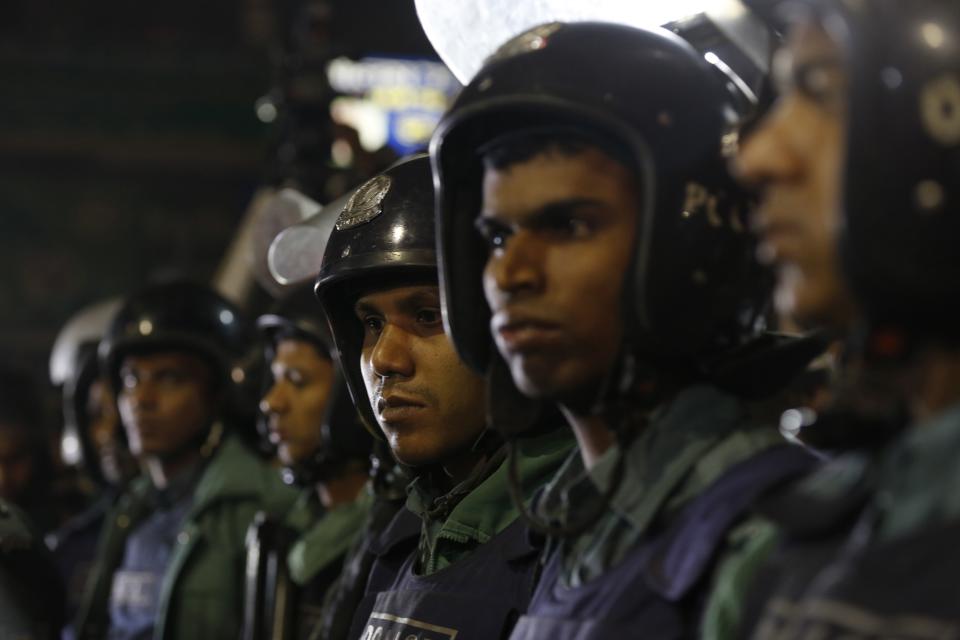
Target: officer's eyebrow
x,y
543,215
419,298
362,308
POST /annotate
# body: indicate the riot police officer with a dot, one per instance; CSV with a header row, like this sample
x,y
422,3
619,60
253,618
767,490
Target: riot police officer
x,y
170,557
613,270
92,439
457,561
308,416
863,143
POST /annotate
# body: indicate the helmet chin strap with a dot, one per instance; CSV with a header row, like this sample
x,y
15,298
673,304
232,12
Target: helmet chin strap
x,y
512,414
321,466
212,441
206,443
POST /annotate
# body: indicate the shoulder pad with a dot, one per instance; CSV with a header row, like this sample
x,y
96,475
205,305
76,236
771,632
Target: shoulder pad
x,y
687,549
824,501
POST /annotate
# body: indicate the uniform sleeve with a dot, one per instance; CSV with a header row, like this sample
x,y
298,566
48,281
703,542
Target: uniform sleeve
x,y
749,546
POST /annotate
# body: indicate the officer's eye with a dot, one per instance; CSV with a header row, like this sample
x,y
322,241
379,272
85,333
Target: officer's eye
x,y
172,378
567,226
128,379
820,78
493,233
429,317
295,377
372,324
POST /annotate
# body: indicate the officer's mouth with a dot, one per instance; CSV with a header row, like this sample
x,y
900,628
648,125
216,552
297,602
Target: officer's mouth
x,y
397,407
147,428
517,333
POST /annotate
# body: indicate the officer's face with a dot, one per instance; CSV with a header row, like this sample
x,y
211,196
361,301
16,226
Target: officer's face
x,y
561,232
429,405
103,422
165,401
295,403
794,157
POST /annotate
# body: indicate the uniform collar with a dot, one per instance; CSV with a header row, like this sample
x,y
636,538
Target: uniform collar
x,y
671,450
481,506
329,538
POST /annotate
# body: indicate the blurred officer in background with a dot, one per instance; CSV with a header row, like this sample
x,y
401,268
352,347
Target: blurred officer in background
x,y
170,560
862,148
310,420
92,440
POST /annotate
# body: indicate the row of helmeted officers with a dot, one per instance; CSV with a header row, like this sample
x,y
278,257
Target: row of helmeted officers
x,y
563,334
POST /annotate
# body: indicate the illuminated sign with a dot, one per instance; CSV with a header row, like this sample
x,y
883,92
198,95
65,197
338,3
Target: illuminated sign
x,y
391,101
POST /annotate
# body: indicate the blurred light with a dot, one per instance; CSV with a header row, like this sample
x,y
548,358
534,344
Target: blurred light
x,y
238,375
494,22
892,77
226,316
370,121
146,327
70,449
933,35
392,101
793,421
266,110
930,195
341,153
397,232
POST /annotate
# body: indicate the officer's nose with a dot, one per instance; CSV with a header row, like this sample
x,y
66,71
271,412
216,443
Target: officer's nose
x,y
274,400
767,156
391,355
515,268
141,396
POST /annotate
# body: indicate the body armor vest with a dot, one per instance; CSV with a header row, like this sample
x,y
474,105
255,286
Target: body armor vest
x,y
479,597
659,589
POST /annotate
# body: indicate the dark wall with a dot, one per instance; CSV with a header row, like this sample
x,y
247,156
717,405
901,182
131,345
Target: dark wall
x,y
129,144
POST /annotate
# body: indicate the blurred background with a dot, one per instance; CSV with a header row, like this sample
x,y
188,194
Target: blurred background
x,y
134,137
141,141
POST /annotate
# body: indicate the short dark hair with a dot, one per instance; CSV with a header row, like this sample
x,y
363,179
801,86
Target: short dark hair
x,y
292,332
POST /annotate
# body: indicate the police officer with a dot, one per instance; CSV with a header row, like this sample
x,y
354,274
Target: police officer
x,y
170,558
457,562
309,417
92,434
864,143
92,438
613,270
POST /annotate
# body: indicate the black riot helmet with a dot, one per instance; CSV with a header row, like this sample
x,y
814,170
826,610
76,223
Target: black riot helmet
x,y
901,219
182,316
342,437
384,235
671,115
74,368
